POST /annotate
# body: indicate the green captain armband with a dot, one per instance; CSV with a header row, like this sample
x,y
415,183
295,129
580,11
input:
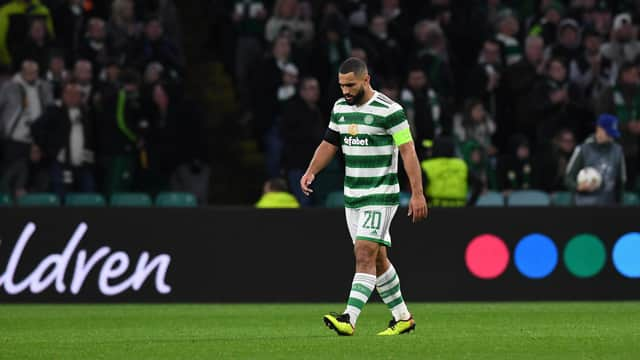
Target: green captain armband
x,y
402,137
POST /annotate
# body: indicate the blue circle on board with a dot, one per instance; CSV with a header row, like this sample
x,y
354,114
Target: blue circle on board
x,y
626,255
536,256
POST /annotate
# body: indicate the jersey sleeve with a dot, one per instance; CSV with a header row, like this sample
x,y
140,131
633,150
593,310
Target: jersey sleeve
x,y
333,124
397,126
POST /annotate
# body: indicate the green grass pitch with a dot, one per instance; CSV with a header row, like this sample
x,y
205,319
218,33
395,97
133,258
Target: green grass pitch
x,y
606,330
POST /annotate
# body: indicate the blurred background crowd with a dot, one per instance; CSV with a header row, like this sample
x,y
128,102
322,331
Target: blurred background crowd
x,y
96,95
91,97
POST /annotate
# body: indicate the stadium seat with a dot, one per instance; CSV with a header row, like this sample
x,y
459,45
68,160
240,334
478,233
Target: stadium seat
x,y
176,199
39,199
630,199
528,198
562,198
491,198
132,199
335,200
405,197
5,200
84,200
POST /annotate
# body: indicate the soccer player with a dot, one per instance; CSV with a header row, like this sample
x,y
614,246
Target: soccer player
x,y
371,129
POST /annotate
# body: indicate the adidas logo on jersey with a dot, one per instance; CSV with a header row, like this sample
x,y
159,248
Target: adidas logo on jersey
x,y
354,141
341,119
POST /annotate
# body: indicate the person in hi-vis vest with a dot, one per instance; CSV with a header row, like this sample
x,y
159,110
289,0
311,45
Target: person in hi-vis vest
x,y
447,177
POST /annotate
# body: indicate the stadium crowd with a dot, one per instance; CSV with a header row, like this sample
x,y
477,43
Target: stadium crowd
x,y
91,98
515,86
92,92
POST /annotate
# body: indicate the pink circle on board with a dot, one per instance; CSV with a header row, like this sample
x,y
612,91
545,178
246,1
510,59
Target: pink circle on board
x,y
487,256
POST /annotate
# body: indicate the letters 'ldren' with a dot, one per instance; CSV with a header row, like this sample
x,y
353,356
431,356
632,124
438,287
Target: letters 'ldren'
x,y
52,269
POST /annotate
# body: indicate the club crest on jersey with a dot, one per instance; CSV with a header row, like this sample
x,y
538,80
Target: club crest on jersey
x,y
353,129
368,119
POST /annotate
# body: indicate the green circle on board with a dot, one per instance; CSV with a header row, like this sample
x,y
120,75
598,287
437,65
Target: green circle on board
x,y
585,255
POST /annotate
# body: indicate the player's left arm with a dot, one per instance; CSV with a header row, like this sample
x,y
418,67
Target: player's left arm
x,y
398,127
418,204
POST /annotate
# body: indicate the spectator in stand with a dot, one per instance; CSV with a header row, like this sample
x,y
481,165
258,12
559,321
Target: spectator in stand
x,y
623,101
267,106
36,47
119,134
69,22
482,171
427,114
332,47
288,16
447,177
155,47
302,129
275,195
289,85
601,18
391,88
123,31
556,103
605,155
551,162
65,134
474,124
385,51
162,111
547,25
431,53
56,74
15,17
507,27
248,18
623,45
591,71
485,77
568,44
93,46
515,168
398,22
166,11
83,75
520,79
22,101
153,73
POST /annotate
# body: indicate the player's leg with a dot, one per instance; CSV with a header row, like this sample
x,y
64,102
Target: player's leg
x,y
388,287
364,280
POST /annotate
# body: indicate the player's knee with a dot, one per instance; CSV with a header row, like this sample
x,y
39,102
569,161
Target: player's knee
x,y
366,255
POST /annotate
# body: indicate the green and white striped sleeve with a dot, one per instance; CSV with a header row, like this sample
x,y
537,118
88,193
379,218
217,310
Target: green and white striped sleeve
x,y
397,126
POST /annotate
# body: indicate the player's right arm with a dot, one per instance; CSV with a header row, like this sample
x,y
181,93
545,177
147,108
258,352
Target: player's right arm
x,y
321,158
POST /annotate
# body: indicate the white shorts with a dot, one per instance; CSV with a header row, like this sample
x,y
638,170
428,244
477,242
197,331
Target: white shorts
x,y
371,223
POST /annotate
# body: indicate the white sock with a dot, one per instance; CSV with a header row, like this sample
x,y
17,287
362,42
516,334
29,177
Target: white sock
x,y
388,286
361,289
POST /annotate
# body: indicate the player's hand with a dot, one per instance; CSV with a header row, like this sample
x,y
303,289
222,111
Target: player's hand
x,y
417,208
305,183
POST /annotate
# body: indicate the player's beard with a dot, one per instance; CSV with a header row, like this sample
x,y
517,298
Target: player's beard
x,y
357,98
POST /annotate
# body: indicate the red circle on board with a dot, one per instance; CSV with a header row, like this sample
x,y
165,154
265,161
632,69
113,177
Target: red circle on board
x,y
487,256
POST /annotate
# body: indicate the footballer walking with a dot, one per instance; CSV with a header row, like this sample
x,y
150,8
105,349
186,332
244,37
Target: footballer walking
x,y
371,129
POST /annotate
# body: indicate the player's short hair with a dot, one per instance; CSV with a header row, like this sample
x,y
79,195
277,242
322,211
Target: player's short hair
x,y
354,65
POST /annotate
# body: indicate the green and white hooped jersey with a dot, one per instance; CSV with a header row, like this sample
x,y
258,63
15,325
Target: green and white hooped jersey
x,y
370,136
